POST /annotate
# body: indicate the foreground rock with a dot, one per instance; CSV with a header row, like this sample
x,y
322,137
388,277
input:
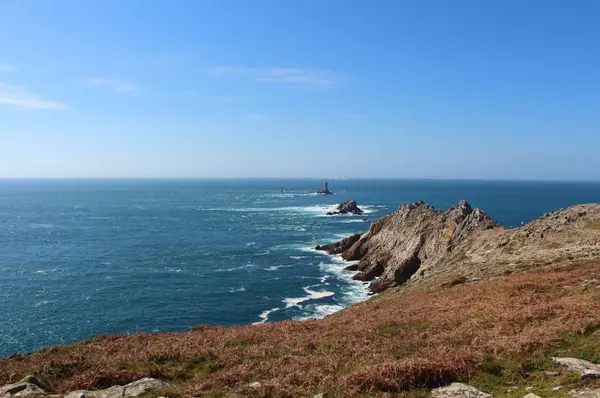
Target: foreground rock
x,y
419,246
30,386
459,390
347,207
585,369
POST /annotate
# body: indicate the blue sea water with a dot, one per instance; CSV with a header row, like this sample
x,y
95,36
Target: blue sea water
x,y
80,258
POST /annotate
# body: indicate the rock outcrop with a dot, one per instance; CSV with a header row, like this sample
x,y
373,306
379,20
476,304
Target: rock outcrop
x,y
30,386
414,237
418,245
347,207
585,369
459,390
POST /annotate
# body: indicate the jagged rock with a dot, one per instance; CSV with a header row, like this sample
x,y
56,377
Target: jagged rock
x,y
458,390
321,395
585,368
256,384
28,386
532,395
341,246
585,393
346,207
416,236
133,389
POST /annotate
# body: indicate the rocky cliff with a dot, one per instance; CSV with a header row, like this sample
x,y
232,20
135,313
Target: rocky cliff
x,y
420,245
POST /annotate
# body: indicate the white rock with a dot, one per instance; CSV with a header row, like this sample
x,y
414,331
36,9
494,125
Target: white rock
x,y
585,393
532,395
585,368
141,386
458,390
256,384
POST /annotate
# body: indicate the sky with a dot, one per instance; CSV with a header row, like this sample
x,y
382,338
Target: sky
x,y
495,89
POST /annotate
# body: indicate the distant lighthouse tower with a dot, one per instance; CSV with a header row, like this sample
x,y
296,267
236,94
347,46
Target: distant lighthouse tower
x,y
325,190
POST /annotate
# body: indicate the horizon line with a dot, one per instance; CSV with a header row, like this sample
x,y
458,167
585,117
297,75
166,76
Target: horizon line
x,y
158,178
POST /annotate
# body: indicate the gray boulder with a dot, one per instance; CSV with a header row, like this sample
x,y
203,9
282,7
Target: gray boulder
x,y
28,386
585,368
459,390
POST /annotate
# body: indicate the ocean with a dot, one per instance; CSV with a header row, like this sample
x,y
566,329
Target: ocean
x,y
81,258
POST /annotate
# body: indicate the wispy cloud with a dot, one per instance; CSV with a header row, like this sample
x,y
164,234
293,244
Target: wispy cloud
x,y
297,77
6,68
258,116
19,97
117,85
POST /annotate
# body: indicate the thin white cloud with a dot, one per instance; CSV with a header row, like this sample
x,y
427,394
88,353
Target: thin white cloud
x,y
297,77
20,98
258,116
117,85
6,68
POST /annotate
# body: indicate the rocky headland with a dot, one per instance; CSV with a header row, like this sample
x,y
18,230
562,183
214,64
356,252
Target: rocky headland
x,y
418,245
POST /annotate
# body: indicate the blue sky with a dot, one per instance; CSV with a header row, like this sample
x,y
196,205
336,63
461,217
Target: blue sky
x,y
231,88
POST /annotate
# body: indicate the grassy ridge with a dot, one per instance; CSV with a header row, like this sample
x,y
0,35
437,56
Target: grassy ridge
x,y
494,334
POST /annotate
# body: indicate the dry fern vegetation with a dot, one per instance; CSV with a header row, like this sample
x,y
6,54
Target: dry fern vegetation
x,y
497,335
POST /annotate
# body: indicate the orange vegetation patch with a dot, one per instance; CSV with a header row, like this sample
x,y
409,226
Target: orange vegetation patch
x,y
394,342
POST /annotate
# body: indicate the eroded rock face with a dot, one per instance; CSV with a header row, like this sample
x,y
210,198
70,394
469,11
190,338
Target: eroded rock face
x,y
414,237
347,207
459,390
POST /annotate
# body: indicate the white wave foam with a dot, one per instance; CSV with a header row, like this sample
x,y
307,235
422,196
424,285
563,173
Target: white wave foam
x,y
273,268
263,253
250,244
314,209
239,289
353,220
41,302
265,315
249,265
45,271
321,311
312,295
299,257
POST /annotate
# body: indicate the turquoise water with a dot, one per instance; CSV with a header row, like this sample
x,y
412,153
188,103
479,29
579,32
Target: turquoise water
x,y
90,257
